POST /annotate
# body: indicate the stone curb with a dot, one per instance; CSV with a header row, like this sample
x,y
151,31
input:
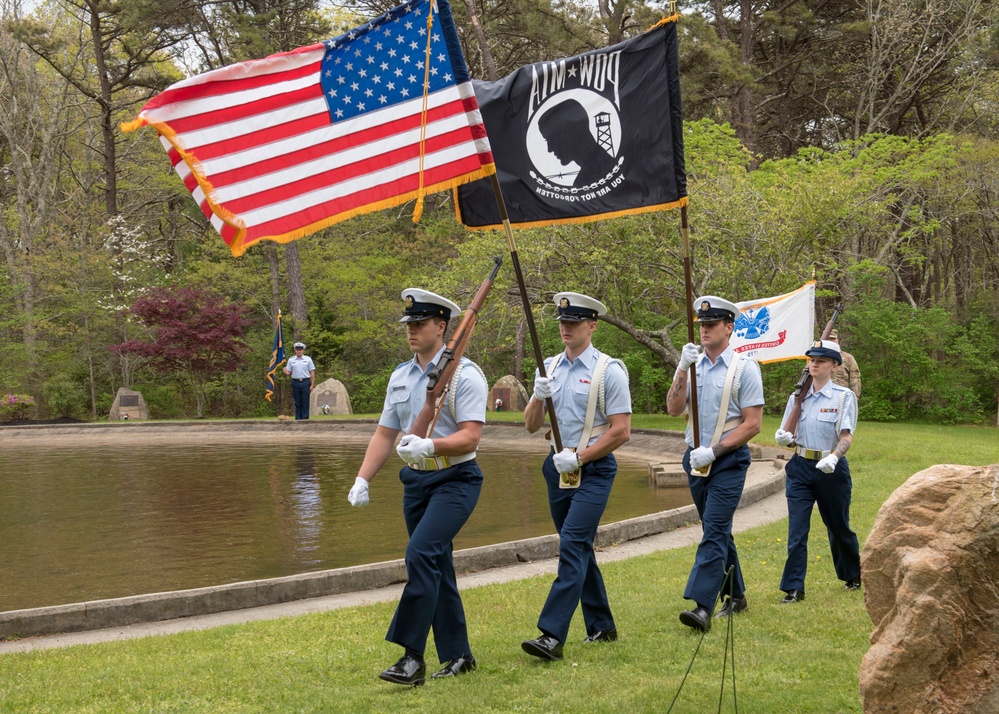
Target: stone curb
x,y
118,612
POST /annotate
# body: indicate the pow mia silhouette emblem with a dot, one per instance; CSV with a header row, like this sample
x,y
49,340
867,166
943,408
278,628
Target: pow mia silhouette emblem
x,y
574,134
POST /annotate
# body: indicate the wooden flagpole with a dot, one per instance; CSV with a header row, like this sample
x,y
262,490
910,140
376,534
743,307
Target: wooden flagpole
x,y
538,356
689,290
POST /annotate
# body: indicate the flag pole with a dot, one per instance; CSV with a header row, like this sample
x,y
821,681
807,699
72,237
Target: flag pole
x,y
689,290
538,356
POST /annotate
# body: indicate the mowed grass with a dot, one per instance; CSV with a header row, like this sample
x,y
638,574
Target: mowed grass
x,y
798,658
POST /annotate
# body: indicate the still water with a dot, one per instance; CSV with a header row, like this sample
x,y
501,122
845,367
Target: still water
x,y
97,522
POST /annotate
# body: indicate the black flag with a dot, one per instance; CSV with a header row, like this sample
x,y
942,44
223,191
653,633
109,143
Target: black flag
x,y
583,139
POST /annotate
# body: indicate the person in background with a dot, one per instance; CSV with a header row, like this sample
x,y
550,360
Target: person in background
x,y
441,485
846,374
593,411
730,412
303,379
819,474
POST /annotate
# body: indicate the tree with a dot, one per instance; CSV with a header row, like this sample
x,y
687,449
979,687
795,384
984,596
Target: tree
x,y
194,334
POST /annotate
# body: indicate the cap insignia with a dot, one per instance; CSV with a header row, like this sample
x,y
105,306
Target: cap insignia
x,y
409,301
705,305
563,303
817,343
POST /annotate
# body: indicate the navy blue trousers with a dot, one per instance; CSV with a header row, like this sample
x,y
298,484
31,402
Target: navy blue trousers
x,y
807,486
576,514
716,496
436,505
300,393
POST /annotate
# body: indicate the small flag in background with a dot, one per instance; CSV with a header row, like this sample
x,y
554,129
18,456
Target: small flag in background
x,y
277,359
778,328
281,147
586,138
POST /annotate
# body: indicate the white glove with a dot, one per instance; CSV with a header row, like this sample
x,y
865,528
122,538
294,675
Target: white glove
x,y
688,355
543,388
412,448
783,438
701,457
828,464
566,461
358,495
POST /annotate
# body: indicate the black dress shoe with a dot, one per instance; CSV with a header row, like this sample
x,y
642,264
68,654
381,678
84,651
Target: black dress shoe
x,y
602,636
852,584
733,605
459,665
699,618
793,596
408,670
545,647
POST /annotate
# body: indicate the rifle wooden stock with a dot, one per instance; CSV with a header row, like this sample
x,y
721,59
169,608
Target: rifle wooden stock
x,y
440,378
805,380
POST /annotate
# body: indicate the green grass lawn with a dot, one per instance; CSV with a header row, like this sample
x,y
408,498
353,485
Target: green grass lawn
x,y
798,658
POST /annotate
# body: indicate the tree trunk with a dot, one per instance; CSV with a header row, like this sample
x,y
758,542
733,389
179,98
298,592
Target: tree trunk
x,y
296,294
107,121
518,350
270,250
488,61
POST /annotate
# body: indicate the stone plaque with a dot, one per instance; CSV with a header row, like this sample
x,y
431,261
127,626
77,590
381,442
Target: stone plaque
x,y
511,395
330,397
129,405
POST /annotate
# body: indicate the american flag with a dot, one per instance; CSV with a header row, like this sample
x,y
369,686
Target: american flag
x,y
284,146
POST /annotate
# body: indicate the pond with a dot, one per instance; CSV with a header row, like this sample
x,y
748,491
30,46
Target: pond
x,y
85,523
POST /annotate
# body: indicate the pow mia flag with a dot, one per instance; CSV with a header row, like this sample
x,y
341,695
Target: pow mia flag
x,y
591,137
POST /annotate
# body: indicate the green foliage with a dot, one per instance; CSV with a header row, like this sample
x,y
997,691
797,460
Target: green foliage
x,y
922,366
65,396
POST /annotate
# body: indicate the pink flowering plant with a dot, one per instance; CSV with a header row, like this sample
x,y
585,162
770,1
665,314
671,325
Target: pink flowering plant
x,y
15,406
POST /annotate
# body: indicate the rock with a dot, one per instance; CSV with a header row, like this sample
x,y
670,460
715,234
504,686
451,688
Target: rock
x,y
128,405
511,393
332,395
931,586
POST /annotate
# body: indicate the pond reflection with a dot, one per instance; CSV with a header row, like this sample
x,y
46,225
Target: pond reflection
x,y
84,523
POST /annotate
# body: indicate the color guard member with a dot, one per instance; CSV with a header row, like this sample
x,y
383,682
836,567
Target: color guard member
x,y
441,486
730,412
593,411
819,474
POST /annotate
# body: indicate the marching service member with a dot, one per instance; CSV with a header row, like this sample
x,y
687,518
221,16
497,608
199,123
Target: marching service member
x,y
730,412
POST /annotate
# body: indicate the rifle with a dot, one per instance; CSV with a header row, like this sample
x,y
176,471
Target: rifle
x,y
440,378
805,380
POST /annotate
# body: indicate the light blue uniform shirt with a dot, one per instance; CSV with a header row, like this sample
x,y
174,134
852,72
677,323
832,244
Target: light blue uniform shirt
x,y
407,392
300,367
819,414
571,387
711,384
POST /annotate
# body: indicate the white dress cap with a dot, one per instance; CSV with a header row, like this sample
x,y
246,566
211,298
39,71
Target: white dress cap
x,y
423,304
576,307
711,308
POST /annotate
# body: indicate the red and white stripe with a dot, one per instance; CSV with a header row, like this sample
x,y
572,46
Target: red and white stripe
x,y
260,134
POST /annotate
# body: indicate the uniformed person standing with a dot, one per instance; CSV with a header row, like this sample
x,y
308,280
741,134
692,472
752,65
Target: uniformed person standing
x,y
303,379
592,422
819,474
441,486
730,412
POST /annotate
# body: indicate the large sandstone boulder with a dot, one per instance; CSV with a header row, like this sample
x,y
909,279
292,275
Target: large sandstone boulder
x,y
329,397
128,405
931,587
511,395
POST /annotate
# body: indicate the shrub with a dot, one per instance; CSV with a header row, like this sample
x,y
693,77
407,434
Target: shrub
x,y
15,406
